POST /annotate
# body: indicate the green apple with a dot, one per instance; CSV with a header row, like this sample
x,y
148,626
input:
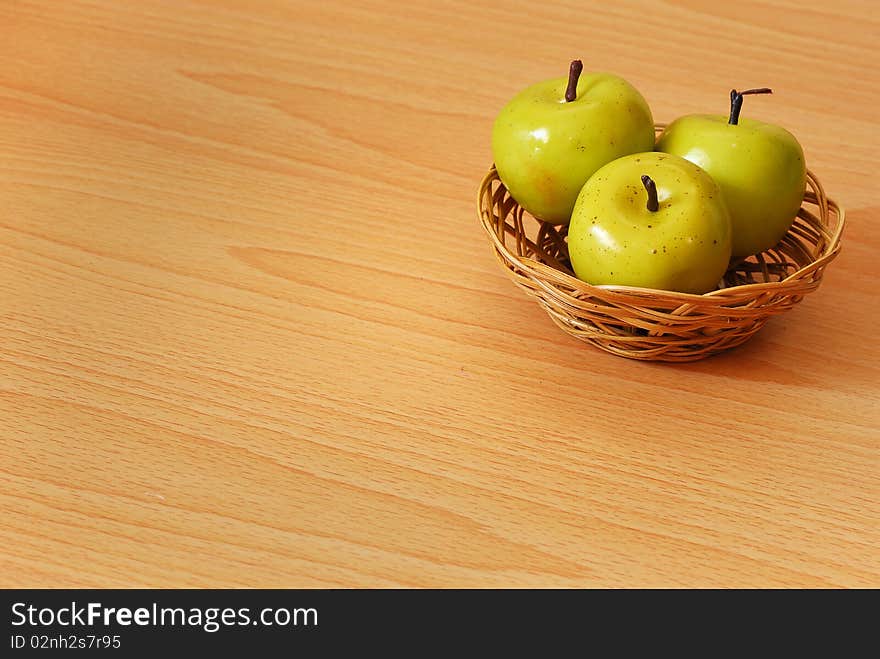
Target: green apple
x,y
551,137
651,220
759,166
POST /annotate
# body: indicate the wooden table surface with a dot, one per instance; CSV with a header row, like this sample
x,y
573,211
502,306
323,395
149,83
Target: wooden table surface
x,y
253,334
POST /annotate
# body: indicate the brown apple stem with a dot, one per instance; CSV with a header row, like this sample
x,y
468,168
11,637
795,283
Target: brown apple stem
x,y
736,102
574,72
651,188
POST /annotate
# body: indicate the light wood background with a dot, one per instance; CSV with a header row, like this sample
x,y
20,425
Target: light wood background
x,y
253,335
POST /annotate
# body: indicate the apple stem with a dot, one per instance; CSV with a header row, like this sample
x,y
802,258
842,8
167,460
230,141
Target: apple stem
x,y
574,72
651,188
736,102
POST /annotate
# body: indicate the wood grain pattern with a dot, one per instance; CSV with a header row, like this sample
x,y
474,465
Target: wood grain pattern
x,y
252,334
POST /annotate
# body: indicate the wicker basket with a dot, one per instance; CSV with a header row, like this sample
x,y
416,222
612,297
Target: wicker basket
x,y
648,324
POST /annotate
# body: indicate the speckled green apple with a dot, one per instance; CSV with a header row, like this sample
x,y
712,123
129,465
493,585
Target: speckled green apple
x,y
759,166
550,138
651,220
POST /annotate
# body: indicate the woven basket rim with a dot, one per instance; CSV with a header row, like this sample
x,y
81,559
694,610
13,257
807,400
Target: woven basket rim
x,y
625,294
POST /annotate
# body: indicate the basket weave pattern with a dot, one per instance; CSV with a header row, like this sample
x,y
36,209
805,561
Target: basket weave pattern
x,y
648,324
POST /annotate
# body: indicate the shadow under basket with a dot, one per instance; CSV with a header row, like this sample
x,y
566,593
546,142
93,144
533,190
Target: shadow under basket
x,y
656,325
